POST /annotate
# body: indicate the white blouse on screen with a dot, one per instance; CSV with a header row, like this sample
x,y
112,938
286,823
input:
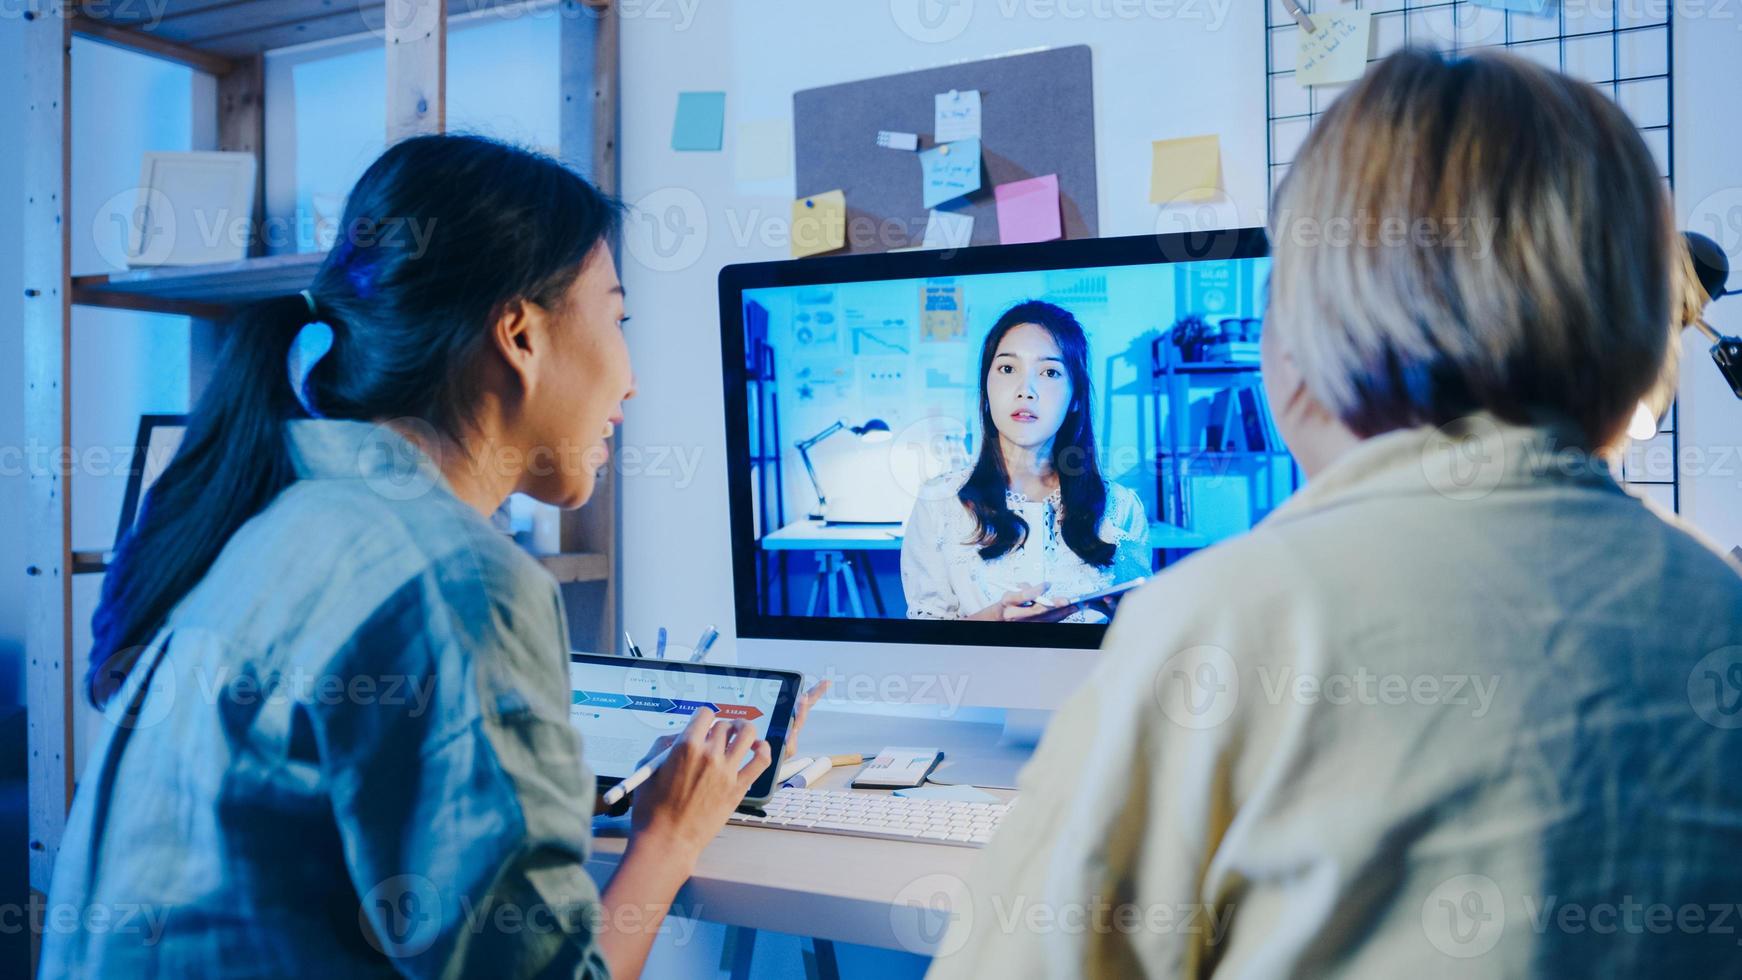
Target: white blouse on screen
x,y
944,577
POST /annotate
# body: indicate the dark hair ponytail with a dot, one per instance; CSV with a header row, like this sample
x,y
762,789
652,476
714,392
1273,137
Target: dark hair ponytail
x,y
1082,491
439,236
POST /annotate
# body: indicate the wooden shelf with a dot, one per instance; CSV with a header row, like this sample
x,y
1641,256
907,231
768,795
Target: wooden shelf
x,y
583,566
237,29
91,562
199,290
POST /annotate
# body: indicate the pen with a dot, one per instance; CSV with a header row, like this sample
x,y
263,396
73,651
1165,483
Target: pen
x,y
634,651
793,767
635,779
709,635
811,773
1042,601
659,648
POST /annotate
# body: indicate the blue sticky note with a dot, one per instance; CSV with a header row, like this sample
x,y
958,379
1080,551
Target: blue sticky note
x,y
1519,6
701,121
949,171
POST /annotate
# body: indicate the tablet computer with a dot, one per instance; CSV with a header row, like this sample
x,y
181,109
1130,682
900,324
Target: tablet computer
x,y
621,705
1106,593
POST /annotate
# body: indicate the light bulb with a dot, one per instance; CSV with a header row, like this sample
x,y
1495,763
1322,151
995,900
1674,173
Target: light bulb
x,y
1644,424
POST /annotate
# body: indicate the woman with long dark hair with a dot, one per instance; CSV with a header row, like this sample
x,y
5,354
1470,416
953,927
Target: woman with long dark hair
x,y
1032,525
337,738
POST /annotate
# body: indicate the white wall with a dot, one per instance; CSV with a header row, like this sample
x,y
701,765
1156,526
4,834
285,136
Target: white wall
x,y
1155,77
124,364
327,116
1708,116
1198,71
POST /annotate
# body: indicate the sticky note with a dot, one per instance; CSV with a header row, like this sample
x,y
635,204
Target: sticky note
x,y
1337,51
1520,6
957,116
700,122
819,223
947,229
949,171
897,141
1188,169
1028,210
762,150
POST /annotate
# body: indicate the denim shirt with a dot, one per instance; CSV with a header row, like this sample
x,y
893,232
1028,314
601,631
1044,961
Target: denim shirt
x,y
347,752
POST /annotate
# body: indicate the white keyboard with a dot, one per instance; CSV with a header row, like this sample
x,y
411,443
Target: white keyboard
x,y
879,815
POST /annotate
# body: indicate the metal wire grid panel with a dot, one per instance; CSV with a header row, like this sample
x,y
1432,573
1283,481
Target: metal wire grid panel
x,y
1621,46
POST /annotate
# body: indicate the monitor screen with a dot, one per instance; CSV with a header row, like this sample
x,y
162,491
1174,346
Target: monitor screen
x,y
966,446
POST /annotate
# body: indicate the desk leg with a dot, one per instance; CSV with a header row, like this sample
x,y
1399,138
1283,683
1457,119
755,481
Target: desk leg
x,y
863,558
845,571
821,954
740,946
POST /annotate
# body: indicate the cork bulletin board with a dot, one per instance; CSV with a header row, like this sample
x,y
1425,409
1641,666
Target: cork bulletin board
x,y
1037,118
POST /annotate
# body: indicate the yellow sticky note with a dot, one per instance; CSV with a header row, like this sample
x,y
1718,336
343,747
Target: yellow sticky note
x,y
1184,170
1337,51
819,223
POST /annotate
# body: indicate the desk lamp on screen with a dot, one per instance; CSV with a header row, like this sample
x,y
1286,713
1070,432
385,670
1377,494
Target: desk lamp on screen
x,y
873,431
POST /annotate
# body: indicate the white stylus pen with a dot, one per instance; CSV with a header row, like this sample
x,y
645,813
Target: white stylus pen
x,y
635,779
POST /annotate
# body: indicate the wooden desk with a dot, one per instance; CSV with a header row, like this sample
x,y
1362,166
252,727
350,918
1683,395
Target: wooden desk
x,y
840,889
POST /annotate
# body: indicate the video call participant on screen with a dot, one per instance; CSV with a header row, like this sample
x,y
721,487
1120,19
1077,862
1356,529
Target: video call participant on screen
x,y
1032,524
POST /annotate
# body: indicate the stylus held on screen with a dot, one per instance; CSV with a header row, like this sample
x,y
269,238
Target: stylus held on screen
x,y
636,778
639,776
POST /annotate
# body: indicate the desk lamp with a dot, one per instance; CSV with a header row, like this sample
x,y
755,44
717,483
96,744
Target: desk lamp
x,y
874,430
1712,268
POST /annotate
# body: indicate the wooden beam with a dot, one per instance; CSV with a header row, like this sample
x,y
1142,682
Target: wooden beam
x,y
587,70
157,47
242,129
417,53
605,96
47,572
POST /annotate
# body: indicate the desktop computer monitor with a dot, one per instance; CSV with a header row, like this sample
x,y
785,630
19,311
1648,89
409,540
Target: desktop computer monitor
x,y
913,435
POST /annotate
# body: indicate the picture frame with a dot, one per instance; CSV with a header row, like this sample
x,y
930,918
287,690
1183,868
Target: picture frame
x,y
156,444
193,208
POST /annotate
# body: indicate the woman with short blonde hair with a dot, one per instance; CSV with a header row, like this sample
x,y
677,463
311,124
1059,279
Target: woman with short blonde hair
x,y
1462,704
1534,277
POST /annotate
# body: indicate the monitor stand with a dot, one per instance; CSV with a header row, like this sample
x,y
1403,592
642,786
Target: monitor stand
x,y
1023,727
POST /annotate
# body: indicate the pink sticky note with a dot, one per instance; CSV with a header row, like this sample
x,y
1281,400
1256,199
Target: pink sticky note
x,y
1028,210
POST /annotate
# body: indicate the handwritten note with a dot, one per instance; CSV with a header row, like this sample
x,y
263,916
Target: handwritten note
x,y
1337,51
949,171
819,223
1028,210
1185,170
1520,6
700,122
947,229
957,116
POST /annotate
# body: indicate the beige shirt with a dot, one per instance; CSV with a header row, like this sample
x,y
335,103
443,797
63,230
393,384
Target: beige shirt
x,y
944,577
1454,709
